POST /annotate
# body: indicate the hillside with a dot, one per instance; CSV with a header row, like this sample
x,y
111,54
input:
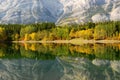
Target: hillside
x,y
58,11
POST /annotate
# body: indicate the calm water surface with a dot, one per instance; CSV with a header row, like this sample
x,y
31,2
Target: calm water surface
x,y
59,62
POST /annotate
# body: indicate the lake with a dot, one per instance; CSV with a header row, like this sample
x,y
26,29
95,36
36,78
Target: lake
x,y
36,61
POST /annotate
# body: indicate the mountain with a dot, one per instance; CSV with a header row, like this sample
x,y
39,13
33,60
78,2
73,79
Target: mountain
x,y
58,11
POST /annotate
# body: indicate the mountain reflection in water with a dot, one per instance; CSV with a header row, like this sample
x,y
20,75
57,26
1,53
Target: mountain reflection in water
x,y
59,62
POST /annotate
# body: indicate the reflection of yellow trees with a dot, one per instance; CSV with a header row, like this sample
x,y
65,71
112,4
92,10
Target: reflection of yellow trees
x,y
116,46
16,47
94,49
99,48
33,50
82,49
32,47
85,48
45,48
39,47
26,46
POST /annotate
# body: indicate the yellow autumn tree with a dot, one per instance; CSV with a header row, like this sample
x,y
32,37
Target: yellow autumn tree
x,y
27,37
85,34
33,36
72,34
2,34
17,37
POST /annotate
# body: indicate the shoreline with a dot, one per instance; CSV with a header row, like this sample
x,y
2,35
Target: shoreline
x,y
73,41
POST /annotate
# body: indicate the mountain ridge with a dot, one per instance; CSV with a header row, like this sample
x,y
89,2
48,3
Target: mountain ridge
x,y
58,11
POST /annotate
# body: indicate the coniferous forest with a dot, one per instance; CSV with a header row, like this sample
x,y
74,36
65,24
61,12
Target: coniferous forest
x,y
50,31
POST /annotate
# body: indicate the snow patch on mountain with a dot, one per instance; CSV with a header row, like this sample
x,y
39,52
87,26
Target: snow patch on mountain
x,y
58,11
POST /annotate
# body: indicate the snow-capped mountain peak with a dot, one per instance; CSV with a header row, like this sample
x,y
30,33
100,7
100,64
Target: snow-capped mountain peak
x,y
59,11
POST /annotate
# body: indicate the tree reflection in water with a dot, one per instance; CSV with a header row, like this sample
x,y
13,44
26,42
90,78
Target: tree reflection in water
x,y
59,62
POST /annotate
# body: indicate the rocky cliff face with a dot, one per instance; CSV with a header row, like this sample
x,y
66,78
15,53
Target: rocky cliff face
x,y
58,11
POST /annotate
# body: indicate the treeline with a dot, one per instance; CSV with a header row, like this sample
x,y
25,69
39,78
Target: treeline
x,y
49,31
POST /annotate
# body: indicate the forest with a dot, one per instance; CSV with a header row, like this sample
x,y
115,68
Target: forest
x,y
49,31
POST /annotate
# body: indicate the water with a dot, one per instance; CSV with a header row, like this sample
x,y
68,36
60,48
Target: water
x,y
59,62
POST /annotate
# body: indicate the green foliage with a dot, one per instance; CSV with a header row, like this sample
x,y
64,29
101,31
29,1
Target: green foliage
x,y
62,33
49,31
100,33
